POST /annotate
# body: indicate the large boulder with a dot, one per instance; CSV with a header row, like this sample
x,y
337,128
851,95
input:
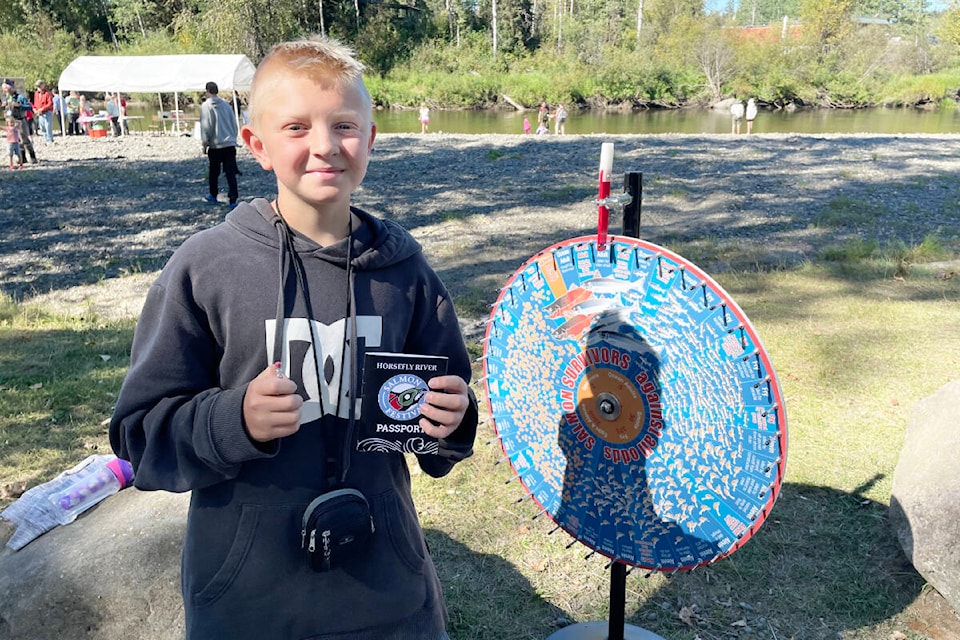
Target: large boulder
x,y
924,506
113,573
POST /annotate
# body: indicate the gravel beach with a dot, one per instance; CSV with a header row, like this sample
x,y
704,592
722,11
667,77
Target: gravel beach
x,y
88,227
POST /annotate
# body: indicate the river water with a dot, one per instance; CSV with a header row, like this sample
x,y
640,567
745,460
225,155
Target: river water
x,y
889,121
886,121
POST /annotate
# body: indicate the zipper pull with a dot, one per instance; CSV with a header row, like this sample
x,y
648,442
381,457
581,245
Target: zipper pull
x,y
303,537
313,541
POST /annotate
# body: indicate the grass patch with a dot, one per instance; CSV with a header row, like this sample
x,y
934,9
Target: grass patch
x,y
58,381
845,211
897,258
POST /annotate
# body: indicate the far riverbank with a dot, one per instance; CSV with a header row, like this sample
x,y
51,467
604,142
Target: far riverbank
x,y
691,120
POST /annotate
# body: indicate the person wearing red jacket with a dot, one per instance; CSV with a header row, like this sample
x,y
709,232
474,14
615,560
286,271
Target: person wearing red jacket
x,y
43,110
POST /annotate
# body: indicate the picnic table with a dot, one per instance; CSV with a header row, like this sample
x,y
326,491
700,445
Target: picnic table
x,y
178,122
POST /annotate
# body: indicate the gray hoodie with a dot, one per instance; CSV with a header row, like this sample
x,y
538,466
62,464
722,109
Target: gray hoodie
x,y
207,328
218,124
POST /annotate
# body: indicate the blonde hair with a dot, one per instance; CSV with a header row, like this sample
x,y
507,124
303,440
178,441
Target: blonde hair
x,y
318,58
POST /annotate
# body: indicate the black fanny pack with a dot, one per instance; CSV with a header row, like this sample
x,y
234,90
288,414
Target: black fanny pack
x,y
337,527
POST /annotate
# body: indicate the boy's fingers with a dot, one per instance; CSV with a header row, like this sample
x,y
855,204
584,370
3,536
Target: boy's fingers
x,y
447,401
271,381
448,384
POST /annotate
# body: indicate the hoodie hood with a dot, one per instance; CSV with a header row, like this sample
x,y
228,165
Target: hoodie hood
x,y
376,243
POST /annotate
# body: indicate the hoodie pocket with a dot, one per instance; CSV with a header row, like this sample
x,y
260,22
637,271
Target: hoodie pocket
x,y
261,553
402,528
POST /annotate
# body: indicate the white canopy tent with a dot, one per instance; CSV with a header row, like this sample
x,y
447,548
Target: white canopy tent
x,y
158,74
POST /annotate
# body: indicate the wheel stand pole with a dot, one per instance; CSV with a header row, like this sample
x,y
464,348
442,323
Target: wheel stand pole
x,y
616,627
618,600
633,185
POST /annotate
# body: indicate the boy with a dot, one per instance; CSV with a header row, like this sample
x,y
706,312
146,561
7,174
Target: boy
x,y
13,142
218,134
205,408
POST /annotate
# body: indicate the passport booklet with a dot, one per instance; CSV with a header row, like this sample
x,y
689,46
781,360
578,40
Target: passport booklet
x,y
394,387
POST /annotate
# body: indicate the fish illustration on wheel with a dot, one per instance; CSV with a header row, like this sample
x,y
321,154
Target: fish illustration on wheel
x,y
566,303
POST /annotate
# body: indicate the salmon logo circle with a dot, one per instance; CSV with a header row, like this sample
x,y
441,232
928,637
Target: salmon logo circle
x,y
400,397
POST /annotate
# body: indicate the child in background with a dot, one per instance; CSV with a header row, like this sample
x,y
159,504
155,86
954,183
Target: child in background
x,y
526,125
12,129
424,117
244,378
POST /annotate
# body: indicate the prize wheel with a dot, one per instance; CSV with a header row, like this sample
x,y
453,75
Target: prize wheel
x,y
635,402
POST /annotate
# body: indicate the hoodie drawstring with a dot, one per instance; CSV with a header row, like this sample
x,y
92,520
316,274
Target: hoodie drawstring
x,y
286,257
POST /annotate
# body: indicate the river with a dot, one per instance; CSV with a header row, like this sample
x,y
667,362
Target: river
x,y
886,121
685,121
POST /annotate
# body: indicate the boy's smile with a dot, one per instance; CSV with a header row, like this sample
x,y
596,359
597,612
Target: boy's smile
x,y
316,137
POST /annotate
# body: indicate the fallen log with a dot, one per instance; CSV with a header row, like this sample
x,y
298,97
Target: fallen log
x,y
513,103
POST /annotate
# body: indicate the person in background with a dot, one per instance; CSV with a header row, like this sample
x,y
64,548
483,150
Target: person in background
x,y
526,125
559,120
43,110
736,115
543,119
85,112
244,381
751,113
424,117
59,110
12,130
113,113
19,108
73,113
122,103
218,135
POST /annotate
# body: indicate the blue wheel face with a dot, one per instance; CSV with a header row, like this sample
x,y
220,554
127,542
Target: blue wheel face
x,y
635,402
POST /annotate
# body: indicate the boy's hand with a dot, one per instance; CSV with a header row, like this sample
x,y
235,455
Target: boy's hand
x,y
271,406
445,404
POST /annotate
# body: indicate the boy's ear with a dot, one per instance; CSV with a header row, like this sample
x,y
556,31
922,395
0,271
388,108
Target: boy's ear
x,y
253,142
373,135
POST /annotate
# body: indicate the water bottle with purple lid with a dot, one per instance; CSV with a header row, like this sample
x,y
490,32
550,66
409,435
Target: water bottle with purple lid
x,y
90,482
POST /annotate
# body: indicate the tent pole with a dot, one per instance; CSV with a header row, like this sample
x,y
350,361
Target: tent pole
x,y
236,107
63,111
176,110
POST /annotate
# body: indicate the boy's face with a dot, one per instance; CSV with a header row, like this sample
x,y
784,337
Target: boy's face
x,y
315,137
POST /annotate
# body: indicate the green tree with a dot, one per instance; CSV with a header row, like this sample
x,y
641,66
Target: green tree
x,y
594,29
827,23
663,17
389,35
948,28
